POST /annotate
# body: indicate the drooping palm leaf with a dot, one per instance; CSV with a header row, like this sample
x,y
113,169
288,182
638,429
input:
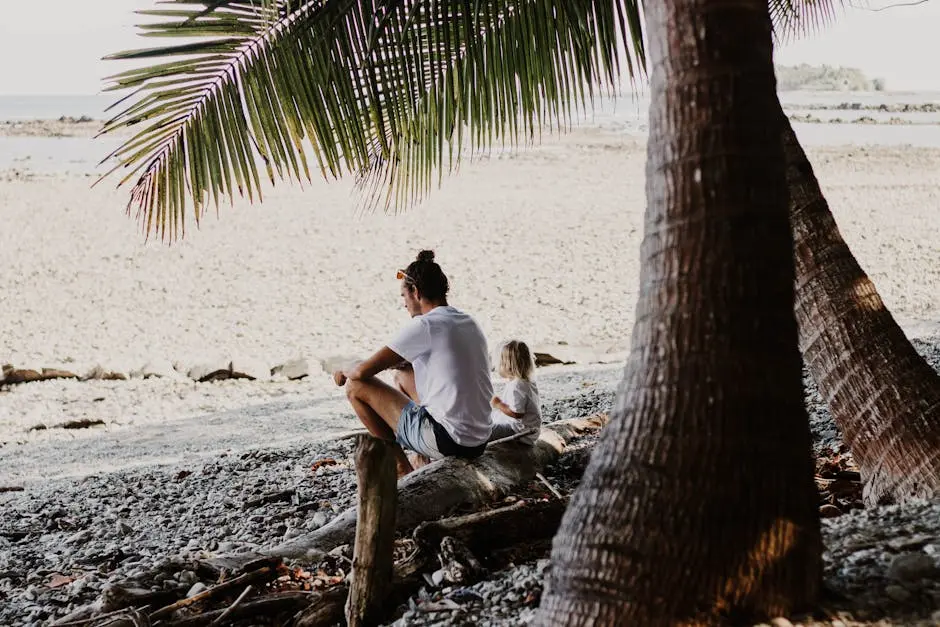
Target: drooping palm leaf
x,y
390,86
794,18
391,90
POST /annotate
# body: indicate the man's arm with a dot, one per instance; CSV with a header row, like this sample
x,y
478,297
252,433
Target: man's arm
x,y
383,359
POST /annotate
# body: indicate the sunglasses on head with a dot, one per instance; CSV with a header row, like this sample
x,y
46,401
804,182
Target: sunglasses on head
x,y
404,275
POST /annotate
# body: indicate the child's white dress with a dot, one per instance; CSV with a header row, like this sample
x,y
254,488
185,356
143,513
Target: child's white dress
x,y
522,397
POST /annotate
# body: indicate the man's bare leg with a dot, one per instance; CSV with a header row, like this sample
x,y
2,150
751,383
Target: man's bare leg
x,y
379,407
405,382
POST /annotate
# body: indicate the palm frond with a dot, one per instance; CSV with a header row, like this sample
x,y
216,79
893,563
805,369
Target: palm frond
x,y
388,89
797,18
514,74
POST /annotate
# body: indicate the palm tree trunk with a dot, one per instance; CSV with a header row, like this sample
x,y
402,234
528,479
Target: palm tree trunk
x,y
882,394
698,505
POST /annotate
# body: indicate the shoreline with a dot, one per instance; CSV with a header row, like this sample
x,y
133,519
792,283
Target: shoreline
x,y
249,415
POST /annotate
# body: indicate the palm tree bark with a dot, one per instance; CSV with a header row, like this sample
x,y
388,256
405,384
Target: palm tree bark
x,y
882,394
698,505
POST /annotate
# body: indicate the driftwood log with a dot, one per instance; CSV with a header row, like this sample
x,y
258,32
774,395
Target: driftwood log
x,y
481,532
373,554
436,490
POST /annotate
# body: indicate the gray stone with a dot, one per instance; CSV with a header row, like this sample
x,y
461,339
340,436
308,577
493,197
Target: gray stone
x,y
897,593
196,589
293,369
79,536
187,577
911,567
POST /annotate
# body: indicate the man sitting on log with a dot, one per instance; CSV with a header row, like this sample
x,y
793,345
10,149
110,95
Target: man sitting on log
x,y
449,372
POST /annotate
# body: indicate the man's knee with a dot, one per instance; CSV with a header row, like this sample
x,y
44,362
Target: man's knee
x,y
354,389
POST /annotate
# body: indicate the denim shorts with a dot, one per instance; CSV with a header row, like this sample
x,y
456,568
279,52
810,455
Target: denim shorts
x,y
415,431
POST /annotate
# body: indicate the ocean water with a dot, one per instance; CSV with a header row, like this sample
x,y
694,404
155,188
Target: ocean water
x,y
28,107
627,115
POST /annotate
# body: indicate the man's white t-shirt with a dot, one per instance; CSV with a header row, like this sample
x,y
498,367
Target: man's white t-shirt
x,y
452,371
522,397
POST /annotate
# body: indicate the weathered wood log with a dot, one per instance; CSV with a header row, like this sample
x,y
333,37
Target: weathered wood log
x,y
439,488
231,608
520,523
373,554
482,532
327,610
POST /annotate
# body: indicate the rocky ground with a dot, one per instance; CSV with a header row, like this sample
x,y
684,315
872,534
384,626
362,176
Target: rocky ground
x,y
63,543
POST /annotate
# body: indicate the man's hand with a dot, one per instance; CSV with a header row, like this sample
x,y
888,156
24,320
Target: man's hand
x,y
339,378
495,402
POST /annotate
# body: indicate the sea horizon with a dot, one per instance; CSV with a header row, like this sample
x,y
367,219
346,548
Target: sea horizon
x,y
22,107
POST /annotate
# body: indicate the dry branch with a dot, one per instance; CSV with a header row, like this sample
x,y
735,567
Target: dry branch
x,y
262,574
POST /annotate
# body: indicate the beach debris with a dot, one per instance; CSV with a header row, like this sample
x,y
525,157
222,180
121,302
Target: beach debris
x,y
57,373
13,376
58,580
838,482
100,373
293,370
548,485
547,359
320,463
182,475
251,369
214,371
11,488
157,368
82,423
271,497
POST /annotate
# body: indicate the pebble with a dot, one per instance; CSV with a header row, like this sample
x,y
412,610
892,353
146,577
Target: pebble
x,y
196,589
911,567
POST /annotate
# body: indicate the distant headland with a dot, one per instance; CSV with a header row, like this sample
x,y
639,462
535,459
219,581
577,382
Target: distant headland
x,y
806,77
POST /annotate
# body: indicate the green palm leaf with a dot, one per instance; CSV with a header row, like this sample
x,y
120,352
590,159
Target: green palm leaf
x,y
391,87
795,18
394,91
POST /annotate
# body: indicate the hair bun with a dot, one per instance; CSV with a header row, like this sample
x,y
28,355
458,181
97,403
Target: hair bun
x,y
426,255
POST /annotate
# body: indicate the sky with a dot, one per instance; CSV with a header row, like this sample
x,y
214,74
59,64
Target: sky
x,y
59,51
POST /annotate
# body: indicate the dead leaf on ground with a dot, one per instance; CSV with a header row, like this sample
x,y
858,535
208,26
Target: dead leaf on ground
x,y
58,580
320,463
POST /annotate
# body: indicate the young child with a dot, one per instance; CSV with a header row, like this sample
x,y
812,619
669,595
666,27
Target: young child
x,y
517,408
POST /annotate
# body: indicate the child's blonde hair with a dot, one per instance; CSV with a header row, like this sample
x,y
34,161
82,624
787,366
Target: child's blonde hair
x,y
515,361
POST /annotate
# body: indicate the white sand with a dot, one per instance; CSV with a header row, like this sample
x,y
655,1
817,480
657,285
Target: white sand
x,y
542,245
